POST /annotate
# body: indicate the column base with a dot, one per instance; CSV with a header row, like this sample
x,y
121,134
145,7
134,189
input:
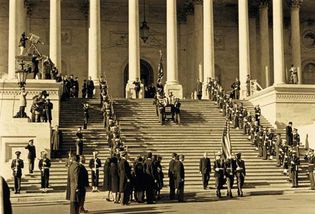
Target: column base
x,y
175,88
131,93
205,95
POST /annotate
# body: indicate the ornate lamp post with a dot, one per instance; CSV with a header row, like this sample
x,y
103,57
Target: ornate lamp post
x,y
21,75
144,29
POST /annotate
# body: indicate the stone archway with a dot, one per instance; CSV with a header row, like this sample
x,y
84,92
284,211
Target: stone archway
x,y
146,74
308,73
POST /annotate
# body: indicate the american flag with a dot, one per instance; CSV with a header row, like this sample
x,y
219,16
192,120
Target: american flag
x,y
225,141
160,67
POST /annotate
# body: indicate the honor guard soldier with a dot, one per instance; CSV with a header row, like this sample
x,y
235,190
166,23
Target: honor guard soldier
x,y
230,168
310,158
219,173
296,141
240,173
205,169
257,114
17,165
95,164
31,155
294,168
289,134
44,166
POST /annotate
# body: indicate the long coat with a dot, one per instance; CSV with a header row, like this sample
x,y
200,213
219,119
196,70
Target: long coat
x,y
56,140
5,196
139,176
114,175
205,165
179,174
31,151
124,175
74,173
107,179
84,182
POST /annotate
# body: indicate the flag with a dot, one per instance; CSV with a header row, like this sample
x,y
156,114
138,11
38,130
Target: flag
x,y
160,67
226,144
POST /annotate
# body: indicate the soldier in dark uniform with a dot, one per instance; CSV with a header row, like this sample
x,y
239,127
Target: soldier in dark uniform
x,y
95,164
180,178
31,154
44,165
219,168
278,146
171,176
148,169
79,142
84,178
230,168
257,114
294,168
205,169
17,165
5,197
124,179
48,109
296,141
289,134
310,158
236,89
240,173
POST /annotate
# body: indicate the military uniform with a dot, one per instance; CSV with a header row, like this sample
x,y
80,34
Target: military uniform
x,y
44,165
294,168
310,158
240,173
17,165
230,168
31,155
219,168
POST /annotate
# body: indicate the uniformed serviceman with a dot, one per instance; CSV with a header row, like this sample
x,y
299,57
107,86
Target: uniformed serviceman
x,y
289,134
17,165
230,168
294,168
310,158
240,173
31,155
44,165
219,167
95,164
205,170
180,178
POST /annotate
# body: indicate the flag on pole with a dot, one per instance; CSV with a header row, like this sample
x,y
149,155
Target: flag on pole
x,y
160,67
225,142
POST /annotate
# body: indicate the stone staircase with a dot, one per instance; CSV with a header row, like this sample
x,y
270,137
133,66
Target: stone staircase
x,y
200,131
71,118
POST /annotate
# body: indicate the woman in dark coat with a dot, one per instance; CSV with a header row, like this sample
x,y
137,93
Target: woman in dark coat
x,y
107,178
114,175
139,180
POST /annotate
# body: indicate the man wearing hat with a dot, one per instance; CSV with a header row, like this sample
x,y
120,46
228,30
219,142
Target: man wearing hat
x,y
124,179
95,164
180,178
31,154
17,165
219,168
294,163
240,173
44,165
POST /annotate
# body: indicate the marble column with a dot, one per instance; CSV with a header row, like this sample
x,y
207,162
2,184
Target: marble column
x,y
264,43
244,58
208,45
198,31
278,45
134,49
295,36
13,40
172,84
95,40
55,33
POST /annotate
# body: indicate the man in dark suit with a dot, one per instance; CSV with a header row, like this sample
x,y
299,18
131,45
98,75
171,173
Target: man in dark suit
x,y
205,169
180,178
148,170
219,168
5,203
75,184
124,179
230,168
95,164
44,165
90,87
17,165
294,168
84,178
31,155
240,173
171,176
289,134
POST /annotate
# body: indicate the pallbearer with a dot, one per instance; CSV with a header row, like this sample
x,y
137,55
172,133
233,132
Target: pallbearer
x,y
17,165
218,167
95,164
44,165
240,173
230,168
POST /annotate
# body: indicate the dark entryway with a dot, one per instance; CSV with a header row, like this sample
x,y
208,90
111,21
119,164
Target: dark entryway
x,y
146,74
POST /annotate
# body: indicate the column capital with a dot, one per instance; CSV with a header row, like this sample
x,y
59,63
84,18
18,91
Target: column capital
x,y
198,2
296,3
189,8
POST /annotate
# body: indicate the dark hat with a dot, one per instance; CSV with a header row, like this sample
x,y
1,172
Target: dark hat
x,y
290,123
31,140
17,152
